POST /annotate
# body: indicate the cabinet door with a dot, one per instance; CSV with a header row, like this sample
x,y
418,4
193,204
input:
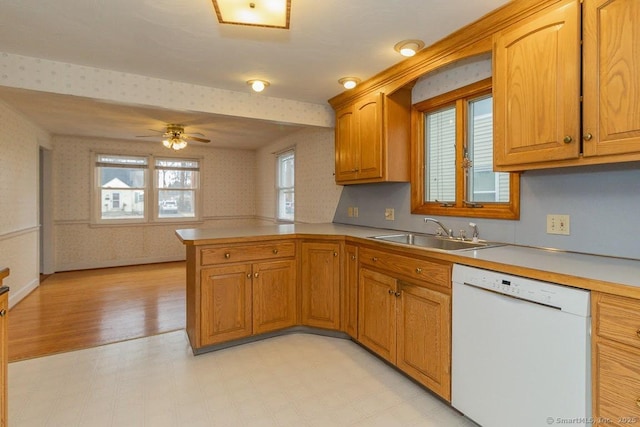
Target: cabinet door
x,y
274,295
376,313
424,337
321,284
611,83
617,384
536,88
225,304
350,293
346,146
369,134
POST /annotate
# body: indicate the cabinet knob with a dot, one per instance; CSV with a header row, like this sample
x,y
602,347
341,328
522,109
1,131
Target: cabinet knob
x,y
419,270
335,254
374,259
587,137
255,275
567,139
275,251
353,257
390,291
638,402
397,294
3,312
249,276
638,333
227,255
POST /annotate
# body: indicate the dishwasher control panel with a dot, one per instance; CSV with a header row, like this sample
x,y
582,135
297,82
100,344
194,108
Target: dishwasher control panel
x,y
561,297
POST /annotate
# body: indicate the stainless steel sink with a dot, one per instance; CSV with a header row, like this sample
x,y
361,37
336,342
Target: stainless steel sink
x,y
431,241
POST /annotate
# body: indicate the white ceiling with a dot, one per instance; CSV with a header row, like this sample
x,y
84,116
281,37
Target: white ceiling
x,y
181,40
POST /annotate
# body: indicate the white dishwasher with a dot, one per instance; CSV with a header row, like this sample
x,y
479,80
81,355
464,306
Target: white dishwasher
x,y
520,350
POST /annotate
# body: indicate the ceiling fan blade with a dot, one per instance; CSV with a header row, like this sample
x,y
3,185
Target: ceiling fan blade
x,y
193,133
146,136
194,138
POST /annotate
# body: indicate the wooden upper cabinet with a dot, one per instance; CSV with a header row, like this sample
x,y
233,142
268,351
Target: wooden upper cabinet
x,y
537,88
611,77
372,139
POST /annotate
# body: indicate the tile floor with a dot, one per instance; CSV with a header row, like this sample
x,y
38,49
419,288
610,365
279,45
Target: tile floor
x,y
293,380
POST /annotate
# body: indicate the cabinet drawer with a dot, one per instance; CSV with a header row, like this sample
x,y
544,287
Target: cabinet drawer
x,y
618,319
246,252
414,268
617,385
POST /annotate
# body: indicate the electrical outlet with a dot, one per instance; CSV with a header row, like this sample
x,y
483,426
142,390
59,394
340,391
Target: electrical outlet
x,y
350,211
558,224
389,214
355,212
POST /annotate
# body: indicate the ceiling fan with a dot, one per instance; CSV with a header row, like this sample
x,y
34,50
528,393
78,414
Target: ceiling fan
x,y
175,137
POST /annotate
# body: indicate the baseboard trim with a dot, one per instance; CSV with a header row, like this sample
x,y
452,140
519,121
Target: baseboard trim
x,y
254,338
86,265
17,296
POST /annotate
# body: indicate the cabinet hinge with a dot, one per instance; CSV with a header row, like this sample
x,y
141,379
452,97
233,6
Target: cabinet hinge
x,y
581,98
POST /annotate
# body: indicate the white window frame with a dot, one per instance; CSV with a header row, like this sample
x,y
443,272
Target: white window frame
x,y
150,190
195,189
281,188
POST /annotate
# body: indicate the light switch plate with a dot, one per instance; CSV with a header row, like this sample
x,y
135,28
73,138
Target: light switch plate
x,y
558,224
390,214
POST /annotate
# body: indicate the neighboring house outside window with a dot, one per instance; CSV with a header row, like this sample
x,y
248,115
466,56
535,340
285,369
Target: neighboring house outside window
x,y
285,185
123,189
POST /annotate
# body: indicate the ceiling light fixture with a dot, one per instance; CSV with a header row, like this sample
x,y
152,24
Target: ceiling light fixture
x,y
258,85
175,143
257,13
408,47
349,82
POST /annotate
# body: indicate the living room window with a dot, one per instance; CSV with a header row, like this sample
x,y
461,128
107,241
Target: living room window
x,y
125,194
285,181
177,186
452,138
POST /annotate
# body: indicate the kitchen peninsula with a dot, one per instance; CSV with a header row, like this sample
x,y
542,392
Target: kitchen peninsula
x,y
255,282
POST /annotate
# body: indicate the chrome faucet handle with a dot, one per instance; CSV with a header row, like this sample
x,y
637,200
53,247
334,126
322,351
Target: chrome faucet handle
x,y
476,233
463,234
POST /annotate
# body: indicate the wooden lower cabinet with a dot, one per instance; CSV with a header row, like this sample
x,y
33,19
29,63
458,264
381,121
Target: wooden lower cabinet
x,y
226,303
409,326
424,337
320,284
350,291
4,354
274,296
377,313
240,289
616,360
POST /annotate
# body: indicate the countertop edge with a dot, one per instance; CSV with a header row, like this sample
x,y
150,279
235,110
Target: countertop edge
x,y
339,231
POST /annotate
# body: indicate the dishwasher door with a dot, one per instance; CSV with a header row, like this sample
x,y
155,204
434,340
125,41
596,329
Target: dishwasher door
x,y
518,363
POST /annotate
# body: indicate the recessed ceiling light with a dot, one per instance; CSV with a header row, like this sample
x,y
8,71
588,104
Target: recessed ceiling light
x,y
409,47
258,85
257,13
349,82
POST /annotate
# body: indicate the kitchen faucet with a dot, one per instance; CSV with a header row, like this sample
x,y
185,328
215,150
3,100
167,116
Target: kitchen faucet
x,y
447,231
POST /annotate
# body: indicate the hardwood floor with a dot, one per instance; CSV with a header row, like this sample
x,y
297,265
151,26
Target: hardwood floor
x,y
81,309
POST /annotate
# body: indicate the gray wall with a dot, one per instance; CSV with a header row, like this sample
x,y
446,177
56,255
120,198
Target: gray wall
x,y
603,202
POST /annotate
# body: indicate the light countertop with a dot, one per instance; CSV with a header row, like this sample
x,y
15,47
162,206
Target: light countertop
x,y
607,274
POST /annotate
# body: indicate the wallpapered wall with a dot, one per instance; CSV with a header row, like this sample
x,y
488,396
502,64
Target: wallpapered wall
x,y
227,194
19,153
59,77
317,194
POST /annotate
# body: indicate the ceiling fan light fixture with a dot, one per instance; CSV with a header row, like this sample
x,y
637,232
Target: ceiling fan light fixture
x,y
175,143
258,85
257,13
408,47
349,82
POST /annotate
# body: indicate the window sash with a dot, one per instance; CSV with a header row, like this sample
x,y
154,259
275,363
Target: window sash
x,y
285,185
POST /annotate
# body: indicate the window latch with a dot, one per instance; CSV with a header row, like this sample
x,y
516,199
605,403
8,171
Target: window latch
x,y
445,204
473,204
